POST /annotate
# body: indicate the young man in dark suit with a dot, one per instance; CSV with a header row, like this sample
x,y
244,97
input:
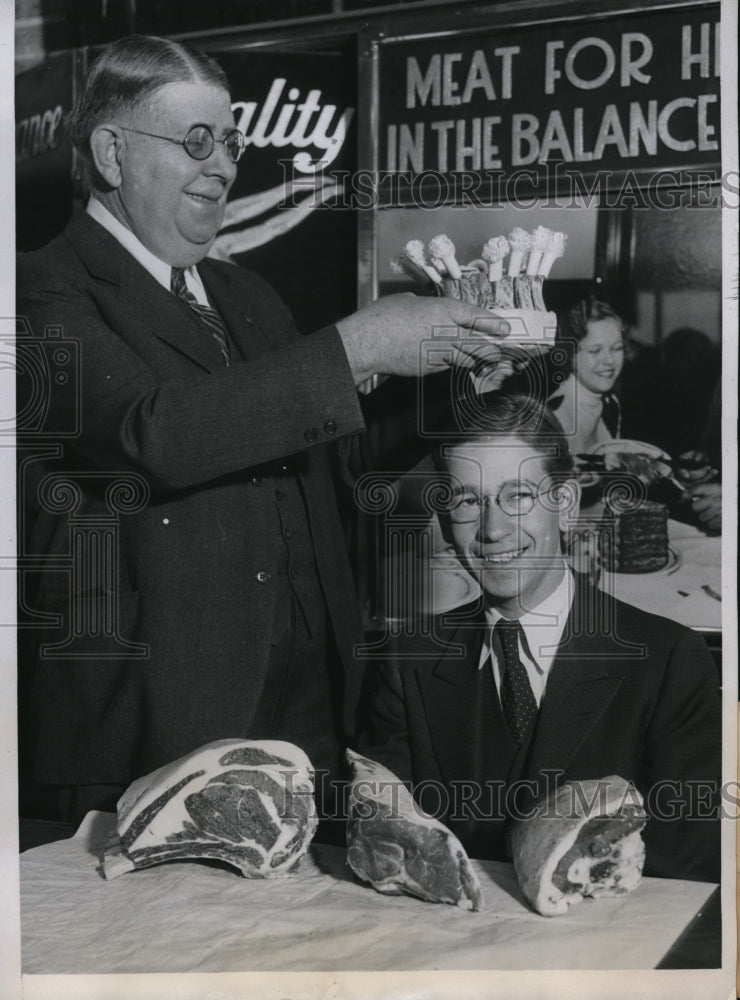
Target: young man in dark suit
x,y
185,576
545,679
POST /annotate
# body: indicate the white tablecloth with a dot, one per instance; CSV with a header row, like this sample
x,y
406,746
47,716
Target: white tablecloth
x,y
677,592
190,917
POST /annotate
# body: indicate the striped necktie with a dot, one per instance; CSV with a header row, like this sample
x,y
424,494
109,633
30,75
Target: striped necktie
x,y
209,316
518,702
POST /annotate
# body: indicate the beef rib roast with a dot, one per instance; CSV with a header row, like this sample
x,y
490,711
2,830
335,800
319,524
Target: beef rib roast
x,y
397,848
583,841
245,802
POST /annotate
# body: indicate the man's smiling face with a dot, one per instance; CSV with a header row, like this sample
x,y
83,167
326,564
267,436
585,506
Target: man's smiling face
x,y
173,203
517,560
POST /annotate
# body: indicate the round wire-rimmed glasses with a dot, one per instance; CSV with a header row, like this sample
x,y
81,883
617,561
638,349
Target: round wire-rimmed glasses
x,y
200,142
513,499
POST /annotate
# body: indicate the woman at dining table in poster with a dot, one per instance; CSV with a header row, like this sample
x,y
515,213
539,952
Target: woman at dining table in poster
x,y
591,335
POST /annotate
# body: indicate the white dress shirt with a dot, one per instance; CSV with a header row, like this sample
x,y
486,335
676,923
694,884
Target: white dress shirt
x,y
542,630
158,269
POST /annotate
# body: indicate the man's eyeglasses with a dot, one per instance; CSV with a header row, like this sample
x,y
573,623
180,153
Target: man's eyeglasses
x,y
199,142
513,499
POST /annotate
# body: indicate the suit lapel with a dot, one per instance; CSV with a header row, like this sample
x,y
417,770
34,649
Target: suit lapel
x,y
584,678
467,729
152,309
470,741
100,252
167,318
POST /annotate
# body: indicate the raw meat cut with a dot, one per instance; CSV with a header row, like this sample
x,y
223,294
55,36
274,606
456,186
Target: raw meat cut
x,y
584,841
245,802
397,848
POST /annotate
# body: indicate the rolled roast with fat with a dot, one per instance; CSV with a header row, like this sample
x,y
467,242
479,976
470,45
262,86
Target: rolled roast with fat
x,y
583,841
245,802
397,848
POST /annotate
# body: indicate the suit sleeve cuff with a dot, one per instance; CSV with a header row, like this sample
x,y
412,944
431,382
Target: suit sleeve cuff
x,y
336,410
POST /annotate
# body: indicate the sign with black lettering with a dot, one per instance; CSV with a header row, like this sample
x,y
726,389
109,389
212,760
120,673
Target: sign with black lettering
x,y
610,95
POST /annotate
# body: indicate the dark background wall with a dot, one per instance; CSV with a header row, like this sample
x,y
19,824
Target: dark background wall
x,y
44,26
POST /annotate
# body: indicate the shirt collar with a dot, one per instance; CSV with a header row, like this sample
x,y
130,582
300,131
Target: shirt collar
x,y
543,625
158,269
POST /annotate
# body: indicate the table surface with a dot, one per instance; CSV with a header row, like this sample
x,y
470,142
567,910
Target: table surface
x,y
678,591
194,917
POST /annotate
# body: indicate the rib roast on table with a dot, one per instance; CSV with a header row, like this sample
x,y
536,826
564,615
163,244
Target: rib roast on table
x,y
245,802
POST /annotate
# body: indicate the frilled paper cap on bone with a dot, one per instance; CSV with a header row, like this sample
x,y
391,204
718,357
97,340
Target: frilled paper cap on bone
x,y
245,802
507,278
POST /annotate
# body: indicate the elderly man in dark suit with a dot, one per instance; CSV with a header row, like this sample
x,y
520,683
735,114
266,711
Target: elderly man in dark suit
x,y
196,586
545,679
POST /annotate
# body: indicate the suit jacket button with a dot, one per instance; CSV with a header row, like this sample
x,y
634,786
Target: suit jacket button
x,y
310,434
258,480
262,577
330,427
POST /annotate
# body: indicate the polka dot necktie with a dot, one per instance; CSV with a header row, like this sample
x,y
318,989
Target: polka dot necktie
x,y
517,699
209,316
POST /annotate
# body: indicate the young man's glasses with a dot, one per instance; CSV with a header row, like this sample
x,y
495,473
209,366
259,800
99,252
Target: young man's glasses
x,y
199,142
513,499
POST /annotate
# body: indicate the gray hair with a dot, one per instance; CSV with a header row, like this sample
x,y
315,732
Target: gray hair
x,y
128,72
